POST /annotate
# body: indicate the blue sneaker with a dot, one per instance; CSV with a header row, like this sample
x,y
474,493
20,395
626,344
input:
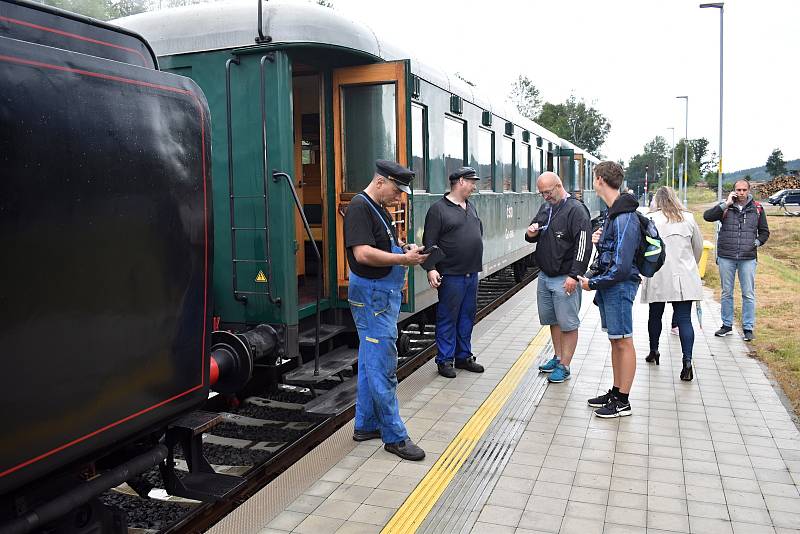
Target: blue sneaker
x,y
560,374
550,365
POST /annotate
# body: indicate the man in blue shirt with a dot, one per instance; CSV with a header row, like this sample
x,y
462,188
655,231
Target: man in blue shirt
x,y
616,281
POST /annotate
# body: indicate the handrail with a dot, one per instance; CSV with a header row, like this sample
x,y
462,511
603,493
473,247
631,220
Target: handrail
x,y
261,39
273,300
276,176
234,60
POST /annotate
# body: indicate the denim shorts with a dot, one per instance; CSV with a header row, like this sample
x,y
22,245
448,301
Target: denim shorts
x,y
555,306
616,308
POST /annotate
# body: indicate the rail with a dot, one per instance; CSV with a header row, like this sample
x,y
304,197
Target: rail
x,y
234,275
276,177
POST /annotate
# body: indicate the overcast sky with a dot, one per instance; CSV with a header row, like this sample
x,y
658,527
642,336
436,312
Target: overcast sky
x,y
629,57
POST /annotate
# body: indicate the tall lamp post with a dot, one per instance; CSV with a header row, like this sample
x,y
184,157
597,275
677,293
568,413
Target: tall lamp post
x,y
672,160
685,150
719,5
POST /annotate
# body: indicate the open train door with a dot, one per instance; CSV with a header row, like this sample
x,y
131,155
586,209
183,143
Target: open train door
x,y
370,122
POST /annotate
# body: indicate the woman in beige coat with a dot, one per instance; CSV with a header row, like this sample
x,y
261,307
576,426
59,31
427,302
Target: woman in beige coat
x,y
678,280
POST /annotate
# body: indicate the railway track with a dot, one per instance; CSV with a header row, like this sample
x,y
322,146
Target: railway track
x,y
264,435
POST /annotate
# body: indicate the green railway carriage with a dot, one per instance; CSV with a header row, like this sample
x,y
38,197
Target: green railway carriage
x,y
301,90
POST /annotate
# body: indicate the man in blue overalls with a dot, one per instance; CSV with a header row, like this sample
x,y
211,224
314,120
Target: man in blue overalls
x,y
378,264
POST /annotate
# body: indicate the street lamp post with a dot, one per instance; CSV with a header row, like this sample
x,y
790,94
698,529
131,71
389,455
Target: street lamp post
x,y
719,5
672,160
685,150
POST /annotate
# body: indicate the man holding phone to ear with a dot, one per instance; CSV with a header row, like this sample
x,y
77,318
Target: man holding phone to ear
x,y
744,228
453,225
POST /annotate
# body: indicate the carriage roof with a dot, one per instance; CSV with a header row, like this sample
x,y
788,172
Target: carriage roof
x,y
234,24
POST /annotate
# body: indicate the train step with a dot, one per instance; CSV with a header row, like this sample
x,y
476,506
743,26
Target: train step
x,y
334,401
207,487
307,338
330,364
201,483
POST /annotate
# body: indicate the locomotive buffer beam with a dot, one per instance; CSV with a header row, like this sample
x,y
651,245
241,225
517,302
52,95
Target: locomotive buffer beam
x,y
202,483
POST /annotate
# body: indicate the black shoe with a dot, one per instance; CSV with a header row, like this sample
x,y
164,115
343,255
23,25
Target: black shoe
x,y
748,335
407,450
614,408
687,373
446,370
600,401
470,365
654,356
724,331
365,435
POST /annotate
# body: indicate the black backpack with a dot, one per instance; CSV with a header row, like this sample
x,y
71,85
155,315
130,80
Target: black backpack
x,y
652,250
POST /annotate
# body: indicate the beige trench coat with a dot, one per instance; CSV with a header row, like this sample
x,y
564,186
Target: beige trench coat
x,y
678,279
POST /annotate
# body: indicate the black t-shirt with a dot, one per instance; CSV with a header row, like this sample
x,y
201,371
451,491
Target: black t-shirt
x,y
362,226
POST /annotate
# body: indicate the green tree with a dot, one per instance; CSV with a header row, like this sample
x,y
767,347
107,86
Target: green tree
x,y
525,96
775,164
576,122
699,148
654,160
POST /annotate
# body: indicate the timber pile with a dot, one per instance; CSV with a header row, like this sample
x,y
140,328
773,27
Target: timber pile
x,y
779,182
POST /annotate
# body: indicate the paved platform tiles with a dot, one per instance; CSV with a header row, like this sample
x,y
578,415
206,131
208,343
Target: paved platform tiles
x,y
719,454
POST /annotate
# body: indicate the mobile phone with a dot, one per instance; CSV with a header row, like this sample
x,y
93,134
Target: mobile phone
x,y
430,249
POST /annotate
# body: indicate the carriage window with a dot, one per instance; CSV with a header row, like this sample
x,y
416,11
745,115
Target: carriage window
x,y
485,159
369,123
536,164
419,145
508,163
454,153
524,168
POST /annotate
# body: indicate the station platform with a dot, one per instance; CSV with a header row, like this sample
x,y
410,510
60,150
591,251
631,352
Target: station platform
x,y
508,452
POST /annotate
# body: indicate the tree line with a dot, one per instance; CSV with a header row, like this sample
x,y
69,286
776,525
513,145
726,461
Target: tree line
x,y
574,120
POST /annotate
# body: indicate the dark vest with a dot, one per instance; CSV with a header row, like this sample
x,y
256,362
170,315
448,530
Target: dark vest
x,y
736,240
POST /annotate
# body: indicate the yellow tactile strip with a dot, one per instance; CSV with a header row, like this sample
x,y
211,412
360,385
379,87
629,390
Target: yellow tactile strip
x,y
417,506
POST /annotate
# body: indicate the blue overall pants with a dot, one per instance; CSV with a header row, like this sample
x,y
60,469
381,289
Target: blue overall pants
x,y
375,305
455,316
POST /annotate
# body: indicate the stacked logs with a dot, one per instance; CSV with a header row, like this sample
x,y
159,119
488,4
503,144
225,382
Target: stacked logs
x,y
779,182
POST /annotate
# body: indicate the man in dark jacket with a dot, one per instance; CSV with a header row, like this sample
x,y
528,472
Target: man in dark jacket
x,y
453,225
562,231
744,228
616,280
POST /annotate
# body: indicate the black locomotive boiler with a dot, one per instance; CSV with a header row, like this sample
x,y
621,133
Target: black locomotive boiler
x,y
105,305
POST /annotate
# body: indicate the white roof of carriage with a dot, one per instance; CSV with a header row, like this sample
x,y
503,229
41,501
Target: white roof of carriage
x,y
234,24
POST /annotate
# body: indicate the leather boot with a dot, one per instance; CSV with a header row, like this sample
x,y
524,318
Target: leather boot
x,y
654,356
687,373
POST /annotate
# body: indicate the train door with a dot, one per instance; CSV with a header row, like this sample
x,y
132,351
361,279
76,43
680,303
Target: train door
x,y
370,107
309,170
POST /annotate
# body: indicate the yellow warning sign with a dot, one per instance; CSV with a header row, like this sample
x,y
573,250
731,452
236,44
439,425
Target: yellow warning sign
x,y
260,277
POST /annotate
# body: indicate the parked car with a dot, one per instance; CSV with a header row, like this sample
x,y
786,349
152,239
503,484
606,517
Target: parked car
x,y
791,198
775,199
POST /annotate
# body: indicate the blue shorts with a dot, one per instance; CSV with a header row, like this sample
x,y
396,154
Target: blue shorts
x,y
555,306
616,308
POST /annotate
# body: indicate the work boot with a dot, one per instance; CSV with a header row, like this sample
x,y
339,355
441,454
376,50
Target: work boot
x,y
365,435
446,369
406,449
470,365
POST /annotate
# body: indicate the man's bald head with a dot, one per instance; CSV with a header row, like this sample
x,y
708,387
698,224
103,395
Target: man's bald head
x,y
550,187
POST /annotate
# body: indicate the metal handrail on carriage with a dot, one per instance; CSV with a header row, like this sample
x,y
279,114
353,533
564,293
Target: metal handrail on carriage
x,y
276,176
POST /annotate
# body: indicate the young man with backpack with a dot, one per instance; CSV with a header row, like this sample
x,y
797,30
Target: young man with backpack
x,y
615,277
